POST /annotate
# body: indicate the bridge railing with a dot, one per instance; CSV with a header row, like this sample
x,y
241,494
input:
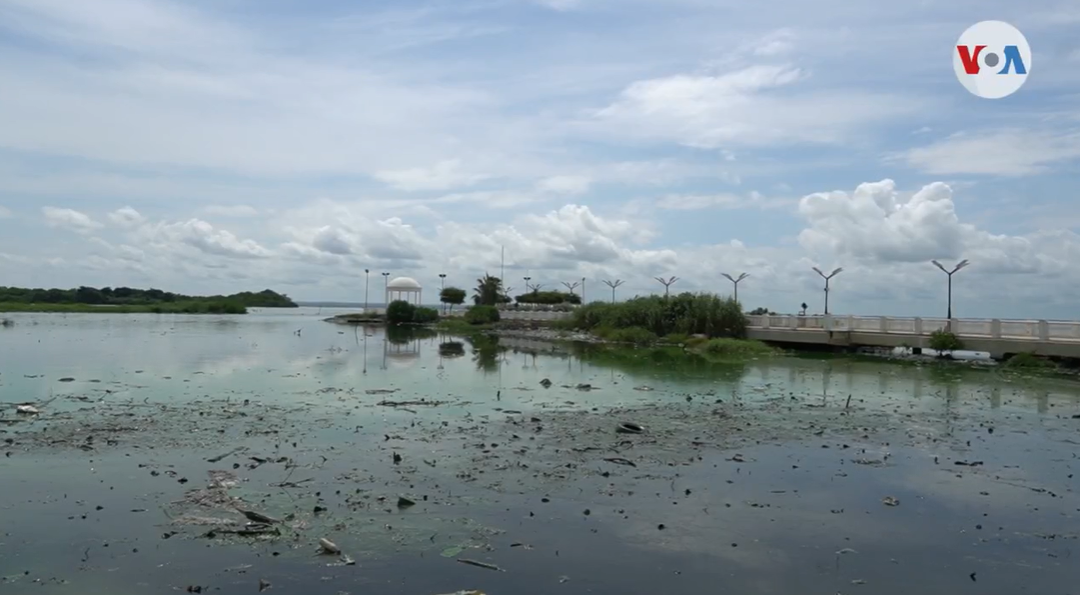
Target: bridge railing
x,y
1035,330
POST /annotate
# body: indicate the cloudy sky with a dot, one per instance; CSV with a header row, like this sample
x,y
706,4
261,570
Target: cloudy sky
x,y
223,145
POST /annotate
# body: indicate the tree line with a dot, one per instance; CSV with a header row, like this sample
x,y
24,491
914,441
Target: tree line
x,y
127,296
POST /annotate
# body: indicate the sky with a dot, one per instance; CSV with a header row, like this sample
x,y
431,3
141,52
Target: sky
x,y
218,146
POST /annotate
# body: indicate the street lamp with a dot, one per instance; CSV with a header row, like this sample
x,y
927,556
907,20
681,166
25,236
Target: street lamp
x,y
583,291
442,286
527,286
667,283
386,288
736,282
613,285
826,278
959,265
571,286
367,284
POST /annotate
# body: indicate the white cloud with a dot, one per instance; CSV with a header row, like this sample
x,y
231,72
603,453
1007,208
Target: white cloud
x,y
231,211
441,176
205,238
755,105
878,224
776,43
126,217
1011,152
5,213
565,184
69,219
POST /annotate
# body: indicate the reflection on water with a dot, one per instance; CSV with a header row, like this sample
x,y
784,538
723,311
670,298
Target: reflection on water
x,y
775,469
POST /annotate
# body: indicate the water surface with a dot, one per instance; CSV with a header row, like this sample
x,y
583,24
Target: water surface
x,y
765,476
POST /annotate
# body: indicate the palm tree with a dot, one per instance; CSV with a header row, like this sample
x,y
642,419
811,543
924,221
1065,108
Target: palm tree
x,y
488,291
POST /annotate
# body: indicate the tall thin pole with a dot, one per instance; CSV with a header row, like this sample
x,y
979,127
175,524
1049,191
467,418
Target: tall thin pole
x,y
367,284
583,291
835,272
950,297
502,267
959,265
826,295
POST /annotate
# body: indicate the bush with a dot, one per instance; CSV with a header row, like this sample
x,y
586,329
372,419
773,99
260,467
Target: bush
x,y
400,312
687,313
677,338
424,315
736,348
634,335
482,315
1027,361
548,297
944,341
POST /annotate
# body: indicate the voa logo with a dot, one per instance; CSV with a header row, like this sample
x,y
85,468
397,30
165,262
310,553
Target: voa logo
x,y
992,59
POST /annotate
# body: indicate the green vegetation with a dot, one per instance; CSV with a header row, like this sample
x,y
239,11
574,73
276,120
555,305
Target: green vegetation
x,y
735,348
759,311
197,307
548,298
1028,362
482,314
402,312
452,296
489,292
945,342
128,300
684,314
634,335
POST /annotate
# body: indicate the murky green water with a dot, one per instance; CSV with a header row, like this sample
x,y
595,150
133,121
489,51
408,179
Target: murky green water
x,y
749,478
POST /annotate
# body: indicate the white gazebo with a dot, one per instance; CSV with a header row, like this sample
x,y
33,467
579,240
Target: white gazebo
x,y
405,289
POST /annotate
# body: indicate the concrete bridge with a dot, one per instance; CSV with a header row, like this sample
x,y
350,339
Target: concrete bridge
x,y
1000,338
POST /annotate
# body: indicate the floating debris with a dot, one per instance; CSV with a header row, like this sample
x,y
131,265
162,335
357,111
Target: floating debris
x,y
891,501
621,461
27,410
403,502
630,428
480,564
328,547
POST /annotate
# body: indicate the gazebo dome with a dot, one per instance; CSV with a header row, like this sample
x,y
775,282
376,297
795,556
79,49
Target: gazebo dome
x,y
404,284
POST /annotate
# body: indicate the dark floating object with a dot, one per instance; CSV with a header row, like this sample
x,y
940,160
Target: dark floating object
x,y
630,428
403,502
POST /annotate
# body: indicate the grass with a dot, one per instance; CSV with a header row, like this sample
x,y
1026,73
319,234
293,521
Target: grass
x,y
200,307
735,348
683,314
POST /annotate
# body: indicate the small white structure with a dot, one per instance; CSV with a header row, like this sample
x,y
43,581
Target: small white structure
x,y
405,289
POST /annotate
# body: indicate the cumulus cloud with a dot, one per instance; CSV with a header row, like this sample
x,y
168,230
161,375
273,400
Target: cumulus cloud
x,y
126,217
205,238
878,224
69,219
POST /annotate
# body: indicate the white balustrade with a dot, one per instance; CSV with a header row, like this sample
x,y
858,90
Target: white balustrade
x,y
1032,330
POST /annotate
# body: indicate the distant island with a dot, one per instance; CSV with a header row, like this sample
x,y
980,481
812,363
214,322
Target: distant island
x,y
128,300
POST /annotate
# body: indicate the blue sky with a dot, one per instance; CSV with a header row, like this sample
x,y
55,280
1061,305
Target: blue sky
x,y
218,146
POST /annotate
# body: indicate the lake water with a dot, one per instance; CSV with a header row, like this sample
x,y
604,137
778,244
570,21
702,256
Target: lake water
x,y
770,476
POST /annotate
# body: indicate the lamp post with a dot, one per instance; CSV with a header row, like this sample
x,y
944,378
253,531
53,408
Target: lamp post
x,y
583,291
959,265
826,278
386,288
667,283
367,284
442,286
736,280
527,286
613,285
571,286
